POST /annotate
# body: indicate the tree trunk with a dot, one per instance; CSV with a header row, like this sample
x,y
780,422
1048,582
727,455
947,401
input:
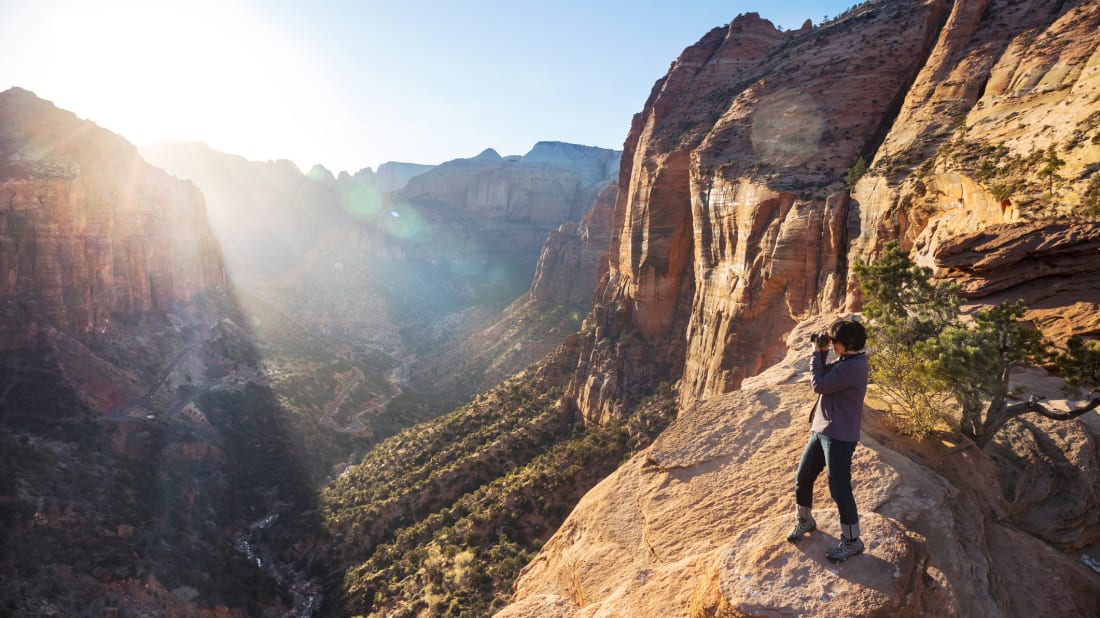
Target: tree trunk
x,y
971,416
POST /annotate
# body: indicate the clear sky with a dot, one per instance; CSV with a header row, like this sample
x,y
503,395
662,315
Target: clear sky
x,y
355,83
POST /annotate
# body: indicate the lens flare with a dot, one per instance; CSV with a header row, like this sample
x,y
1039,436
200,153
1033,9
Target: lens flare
x,y
361,201
402,221
786,128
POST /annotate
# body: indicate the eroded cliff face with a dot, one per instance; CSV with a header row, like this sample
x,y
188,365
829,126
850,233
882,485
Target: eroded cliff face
x,y
88,229
734,220
1006,85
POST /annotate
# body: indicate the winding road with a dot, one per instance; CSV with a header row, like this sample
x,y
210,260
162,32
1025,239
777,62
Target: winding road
x,y
396,378
121,413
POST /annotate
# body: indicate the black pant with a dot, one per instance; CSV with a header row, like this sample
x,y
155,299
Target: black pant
x,y
824,452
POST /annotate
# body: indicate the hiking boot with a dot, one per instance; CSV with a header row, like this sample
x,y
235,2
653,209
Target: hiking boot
x,y
802,527
845,549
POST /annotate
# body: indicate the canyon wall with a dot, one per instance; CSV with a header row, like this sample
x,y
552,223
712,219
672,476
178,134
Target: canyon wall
x,y
735,221
572,259
88,229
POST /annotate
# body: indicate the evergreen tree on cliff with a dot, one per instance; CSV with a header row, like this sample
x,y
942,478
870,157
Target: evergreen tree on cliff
x,y
925,357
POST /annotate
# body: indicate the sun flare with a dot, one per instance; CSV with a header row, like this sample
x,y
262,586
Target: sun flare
x,y
218,72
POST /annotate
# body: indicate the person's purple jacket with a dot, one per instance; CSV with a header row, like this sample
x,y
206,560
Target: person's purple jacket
x,y
842,386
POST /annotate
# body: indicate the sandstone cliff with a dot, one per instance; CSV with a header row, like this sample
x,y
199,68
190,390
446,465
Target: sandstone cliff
x,y
733,221
572,259
89,230
695,525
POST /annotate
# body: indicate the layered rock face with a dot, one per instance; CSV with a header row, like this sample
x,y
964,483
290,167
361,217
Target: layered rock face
x,y
1050,266
1004,83
695,525
731,212
88,229
734,221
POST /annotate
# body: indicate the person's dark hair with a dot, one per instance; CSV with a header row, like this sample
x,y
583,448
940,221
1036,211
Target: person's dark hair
x,y
849,333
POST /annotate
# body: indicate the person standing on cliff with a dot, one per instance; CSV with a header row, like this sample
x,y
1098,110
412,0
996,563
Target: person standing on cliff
x,y
834,433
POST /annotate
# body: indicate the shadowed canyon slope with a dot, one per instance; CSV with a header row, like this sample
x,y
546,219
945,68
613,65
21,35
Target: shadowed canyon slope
x,y
733,221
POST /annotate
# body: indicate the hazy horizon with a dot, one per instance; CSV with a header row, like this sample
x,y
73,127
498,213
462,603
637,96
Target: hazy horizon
x,y
353,85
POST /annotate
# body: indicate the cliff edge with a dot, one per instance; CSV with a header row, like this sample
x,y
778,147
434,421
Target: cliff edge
x,y
696,524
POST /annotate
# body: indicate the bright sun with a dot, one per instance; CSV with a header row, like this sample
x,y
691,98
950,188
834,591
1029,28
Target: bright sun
x,y
215,71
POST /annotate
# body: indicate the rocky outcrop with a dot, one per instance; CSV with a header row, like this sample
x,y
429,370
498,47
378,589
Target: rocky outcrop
x,y
1050,266
734,221
695,525
89,230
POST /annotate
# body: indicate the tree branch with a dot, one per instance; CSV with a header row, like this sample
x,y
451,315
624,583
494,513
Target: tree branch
x,y
1033,405
995,419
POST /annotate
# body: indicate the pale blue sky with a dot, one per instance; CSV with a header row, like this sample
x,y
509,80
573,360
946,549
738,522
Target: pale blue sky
x,y
354,84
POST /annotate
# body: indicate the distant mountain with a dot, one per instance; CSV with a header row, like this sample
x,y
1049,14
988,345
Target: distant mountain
x,y
394,176
266,215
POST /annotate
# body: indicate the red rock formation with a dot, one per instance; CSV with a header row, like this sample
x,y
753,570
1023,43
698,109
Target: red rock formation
x,y
87,228
733,221
1052,267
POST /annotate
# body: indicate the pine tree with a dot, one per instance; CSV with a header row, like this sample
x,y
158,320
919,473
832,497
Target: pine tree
x,y
856,172
924,357
1051,164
